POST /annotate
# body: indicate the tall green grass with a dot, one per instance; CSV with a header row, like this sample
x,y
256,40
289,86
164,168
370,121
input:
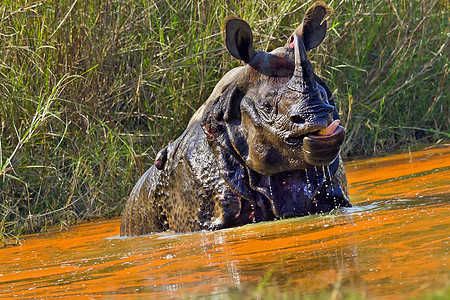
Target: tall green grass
x,y
91,90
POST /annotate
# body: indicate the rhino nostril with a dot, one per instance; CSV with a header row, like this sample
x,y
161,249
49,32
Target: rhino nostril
x,y
297,119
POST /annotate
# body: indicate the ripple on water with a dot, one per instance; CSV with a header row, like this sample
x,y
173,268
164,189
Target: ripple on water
x,y
393,243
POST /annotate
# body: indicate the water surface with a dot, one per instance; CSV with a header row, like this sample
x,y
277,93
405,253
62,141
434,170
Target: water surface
x,y
394,243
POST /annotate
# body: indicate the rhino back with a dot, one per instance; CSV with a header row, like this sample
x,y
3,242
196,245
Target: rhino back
x,y
142,214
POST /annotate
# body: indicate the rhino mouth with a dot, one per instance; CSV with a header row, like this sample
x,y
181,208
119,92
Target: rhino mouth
x,y
321,148
295,141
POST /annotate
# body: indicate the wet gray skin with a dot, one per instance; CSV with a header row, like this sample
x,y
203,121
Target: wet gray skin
x,y
252,151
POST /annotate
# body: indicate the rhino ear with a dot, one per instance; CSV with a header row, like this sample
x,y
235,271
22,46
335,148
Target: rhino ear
x,y
313,29
239,39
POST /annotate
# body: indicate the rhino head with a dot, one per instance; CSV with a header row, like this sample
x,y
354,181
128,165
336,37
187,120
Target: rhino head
x,y
276,114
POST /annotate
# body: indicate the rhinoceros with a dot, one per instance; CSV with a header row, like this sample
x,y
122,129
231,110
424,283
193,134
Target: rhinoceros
x,y
264,146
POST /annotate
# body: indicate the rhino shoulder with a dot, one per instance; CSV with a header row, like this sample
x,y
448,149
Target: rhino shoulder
x,y
230,77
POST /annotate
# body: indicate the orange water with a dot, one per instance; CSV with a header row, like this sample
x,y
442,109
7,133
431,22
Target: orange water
x,y
394,243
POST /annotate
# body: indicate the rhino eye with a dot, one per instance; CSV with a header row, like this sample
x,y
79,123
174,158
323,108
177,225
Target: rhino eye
x,y
267,107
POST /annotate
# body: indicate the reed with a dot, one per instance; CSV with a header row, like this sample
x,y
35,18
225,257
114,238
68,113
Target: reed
x,y
91,90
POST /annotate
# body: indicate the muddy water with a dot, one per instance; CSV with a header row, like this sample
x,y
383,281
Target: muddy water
x,y
394,243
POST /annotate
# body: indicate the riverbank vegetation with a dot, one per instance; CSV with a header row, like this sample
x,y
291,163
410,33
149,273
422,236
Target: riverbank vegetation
x,y
91,90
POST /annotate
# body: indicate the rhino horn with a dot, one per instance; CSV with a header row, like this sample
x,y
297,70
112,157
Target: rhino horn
x,y
303,75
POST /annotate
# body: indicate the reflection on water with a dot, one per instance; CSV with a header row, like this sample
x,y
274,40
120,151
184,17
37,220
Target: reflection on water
x,y
394,243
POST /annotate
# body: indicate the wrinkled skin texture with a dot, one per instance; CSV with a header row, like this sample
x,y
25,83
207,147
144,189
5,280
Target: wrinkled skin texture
x,y
254,150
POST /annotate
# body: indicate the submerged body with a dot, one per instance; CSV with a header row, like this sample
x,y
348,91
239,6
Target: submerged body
x,y
198,190
264,146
